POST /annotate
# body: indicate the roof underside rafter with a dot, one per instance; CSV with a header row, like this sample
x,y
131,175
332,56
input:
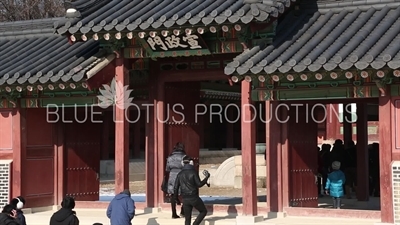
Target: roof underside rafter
x,y
111,16
327,38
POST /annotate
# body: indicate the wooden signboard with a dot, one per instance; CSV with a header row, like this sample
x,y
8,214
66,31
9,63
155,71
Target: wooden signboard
x,y
176,45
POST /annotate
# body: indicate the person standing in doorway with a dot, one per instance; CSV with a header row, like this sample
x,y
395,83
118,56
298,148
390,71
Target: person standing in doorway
x,y
121,209
19,203
334,184
174,166
66,215
188,182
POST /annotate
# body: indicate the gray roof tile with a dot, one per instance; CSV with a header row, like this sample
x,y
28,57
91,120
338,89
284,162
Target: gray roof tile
x,y
37,55
130,15
323,38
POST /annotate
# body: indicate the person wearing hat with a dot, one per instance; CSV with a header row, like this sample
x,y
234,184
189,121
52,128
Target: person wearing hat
x,y
334,185
121,209
19,203
188,183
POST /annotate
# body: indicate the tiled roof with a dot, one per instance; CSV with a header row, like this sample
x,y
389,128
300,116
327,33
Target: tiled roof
x,y
31,53
129,15
359,34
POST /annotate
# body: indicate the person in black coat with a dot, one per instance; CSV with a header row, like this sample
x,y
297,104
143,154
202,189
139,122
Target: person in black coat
x,y
9,215
173,167
19,203
66,215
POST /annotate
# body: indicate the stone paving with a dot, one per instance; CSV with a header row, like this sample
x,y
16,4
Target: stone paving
x,y
90,216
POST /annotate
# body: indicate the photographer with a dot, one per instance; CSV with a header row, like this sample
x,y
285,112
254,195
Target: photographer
x,y
188,182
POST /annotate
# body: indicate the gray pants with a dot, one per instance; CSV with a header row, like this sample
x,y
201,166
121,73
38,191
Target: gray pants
x,y
336,203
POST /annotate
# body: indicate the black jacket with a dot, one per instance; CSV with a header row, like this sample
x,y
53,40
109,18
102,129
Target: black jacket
x,y
7,220
21,217
64,217
188,181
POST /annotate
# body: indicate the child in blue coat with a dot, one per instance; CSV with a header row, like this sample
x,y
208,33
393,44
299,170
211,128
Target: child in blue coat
x,y
334,184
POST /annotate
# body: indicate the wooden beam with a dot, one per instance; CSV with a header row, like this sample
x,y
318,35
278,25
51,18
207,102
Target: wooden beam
x,y
283,164
193,75
59,154
19,149
386,135
362,153
160,112
151,144
274,137
121,130
249,189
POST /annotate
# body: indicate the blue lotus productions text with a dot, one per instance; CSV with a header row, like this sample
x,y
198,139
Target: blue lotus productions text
x,y
216,113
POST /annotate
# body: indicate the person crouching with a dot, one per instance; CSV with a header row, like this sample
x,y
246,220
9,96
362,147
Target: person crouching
x,y
334,184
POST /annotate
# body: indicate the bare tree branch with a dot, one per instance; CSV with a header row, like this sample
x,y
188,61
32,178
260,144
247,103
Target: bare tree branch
x,y
14,10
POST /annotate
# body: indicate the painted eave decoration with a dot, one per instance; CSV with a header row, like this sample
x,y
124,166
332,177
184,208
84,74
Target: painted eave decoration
x,y
33,58
347,39
101,18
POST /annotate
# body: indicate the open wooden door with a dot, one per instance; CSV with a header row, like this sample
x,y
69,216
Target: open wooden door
x,y
303,158
82,157
181,128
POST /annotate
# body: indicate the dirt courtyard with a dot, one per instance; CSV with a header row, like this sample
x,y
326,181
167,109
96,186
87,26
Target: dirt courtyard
x,y
139,187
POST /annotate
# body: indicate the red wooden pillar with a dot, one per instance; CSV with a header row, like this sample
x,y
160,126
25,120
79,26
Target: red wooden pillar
x,y
19,149
362,153
386,133
151,142
347,125
160,156
249,189
274,164
121,130
59,161
230,130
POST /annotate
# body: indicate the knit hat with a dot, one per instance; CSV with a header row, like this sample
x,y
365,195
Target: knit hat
x,y
336,165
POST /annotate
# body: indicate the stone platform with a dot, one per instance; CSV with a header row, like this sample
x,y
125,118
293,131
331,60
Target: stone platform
x,y
91,216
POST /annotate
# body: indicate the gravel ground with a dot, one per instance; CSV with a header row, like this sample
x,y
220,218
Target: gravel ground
x,y
138,187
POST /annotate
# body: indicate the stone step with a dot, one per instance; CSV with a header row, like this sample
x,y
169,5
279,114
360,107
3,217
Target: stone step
x,y
89,217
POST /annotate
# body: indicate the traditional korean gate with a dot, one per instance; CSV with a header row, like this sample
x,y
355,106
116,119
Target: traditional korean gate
x,y
82,152
303,158
181,125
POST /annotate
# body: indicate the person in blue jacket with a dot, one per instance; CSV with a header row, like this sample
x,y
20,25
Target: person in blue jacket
x,y
121,209
334,184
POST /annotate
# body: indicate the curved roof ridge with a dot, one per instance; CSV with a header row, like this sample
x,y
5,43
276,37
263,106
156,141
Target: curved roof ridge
x,y
321,5
27,27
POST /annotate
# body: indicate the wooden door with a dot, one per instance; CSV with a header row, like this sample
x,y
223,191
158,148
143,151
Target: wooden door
x,y
185,128
82,157
303,158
